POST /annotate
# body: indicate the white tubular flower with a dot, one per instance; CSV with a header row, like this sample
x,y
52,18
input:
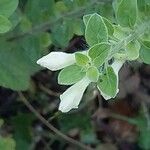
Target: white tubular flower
x,y
116,67
57,60
72,96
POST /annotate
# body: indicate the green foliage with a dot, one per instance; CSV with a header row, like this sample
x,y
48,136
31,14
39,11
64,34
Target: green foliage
x,y
63,32
22,127
15,74
56,23
107,83
81,59
132,50
145,54
127,13
146,43
96,31
82,123
71,75
99,53
33,28
7,7
5,24
7,143
109,26
93,74
6,10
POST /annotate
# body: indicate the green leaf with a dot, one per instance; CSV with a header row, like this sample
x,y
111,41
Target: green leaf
x,y
78,26
7,143
22,125
147,2
39,12
99,53
107,82
15,18
121,32
45,39
5,24
86,19
81,59
25,24
7,7
144,138
146,43
70,75
96,31
145,54
18,62
13,70
127,13
93,74
62,33
60,7
132,50
109,26
144,131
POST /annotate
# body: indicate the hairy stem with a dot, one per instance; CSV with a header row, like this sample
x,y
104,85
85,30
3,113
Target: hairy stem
x,y
139,31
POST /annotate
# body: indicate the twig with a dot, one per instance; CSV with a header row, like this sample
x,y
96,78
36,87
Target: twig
x,y
49,91
50,126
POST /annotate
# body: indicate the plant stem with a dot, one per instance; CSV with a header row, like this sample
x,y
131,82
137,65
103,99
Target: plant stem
x,y
139,31
50,126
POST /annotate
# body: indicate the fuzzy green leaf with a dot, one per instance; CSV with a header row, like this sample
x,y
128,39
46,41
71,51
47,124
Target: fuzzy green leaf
x,y
70,75
7,143
86,19
106,21
5,24
107,82
145,54
132,50
109,26
93,74
81,59
127,13
146,43
99,53
7,7
96,30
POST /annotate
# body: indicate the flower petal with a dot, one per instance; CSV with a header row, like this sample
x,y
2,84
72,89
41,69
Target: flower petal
x,y
57,60
117,66
72,96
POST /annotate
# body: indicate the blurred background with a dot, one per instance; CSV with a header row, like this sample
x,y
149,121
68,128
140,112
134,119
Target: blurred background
x,y
27,90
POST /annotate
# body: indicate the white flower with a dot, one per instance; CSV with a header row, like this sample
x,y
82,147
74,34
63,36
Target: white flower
x,y
72,96
57,60
116,67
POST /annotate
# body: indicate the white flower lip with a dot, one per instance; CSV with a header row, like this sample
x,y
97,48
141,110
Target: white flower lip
x,y
72,96
57,60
